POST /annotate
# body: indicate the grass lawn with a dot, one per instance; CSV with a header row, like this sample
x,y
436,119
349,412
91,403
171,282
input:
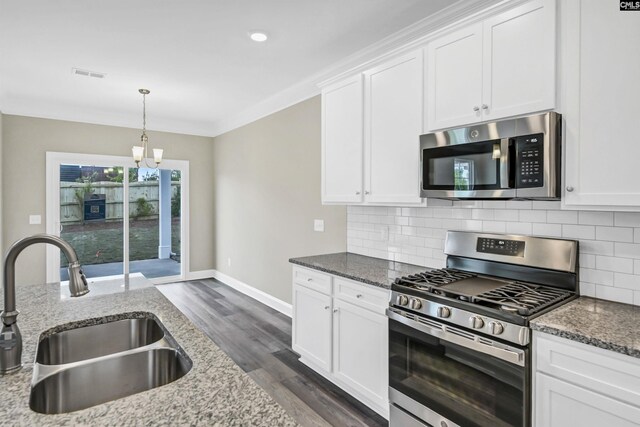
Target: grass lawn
x,y
101,242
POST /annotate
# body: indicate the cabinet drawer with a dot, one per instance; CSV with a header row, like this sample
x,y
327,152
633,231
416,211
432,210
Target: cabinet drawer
x,y
615,375
364,296
312,279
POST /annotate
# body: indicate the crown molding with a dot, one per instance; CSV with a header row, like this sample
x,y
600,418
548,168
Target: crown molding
x,y
460,12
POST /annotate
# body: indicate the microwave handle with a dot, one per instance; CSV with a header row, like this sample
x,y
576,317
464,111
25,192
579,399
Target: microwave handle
x,y
507,163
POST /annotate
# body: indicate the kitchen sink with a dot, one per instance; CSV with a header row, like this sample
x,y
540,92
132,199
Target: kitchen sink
x,y
83,366
89,384
97,340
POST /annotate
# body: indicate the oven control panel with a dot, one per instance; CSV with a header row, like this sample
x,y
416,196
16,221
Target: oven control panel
x,y
530,151
500,246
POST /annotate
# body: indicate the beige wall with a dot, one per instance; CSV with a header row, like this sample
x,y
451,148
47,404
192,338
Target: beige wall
x,y
25,141
1,196
267,193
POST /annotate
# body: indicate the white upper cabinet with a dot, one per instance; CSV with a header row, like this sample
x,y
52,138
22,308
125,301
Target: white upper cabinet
x,y
454,78
518,68
600,105
371,126
393,124
504,66
342,141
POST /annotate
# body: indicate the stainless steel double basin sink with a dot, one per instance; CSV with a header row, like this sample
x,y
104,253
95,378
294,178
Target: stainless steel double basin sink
x,y
83,366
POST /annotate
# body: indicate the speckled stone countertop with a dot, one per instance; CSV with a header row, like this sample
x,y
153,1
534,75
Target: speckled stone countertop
x,y
605,324
373,271
214,392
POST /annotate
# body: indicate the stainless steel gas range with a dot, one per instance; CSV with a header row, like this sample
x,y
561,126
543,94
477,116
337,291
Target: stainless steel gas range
x,y
459,337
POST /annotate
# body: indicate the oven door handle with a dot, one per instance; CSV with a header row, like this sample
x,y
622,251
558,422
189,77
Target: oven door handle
x,y
486,346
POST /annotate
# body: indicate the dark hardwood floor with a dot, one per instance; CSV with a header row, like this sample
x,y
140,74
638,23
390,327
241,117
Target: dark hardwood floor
x,y
258,339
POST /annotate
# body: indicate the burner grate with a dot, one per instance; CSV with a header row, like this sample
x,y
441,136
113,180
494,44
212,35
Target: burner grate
x,y
429,279
522,298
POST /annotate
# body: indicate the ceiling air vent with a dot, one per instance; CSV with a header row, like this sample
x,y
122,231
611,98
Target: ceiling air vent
x,y
87,73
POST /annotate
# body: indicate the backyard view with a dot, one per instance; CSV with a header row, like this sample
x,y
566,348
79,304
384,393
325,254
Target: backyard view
x,y
92,211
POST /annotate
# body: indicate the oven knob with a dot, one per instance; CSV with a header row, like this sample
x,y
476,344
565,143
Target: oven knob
x,y
416,304
402,300
443,312
476,322
496,328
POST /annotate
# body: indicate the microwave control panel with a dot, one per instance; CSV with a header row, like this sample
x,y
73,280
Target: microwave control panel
x,y
530,152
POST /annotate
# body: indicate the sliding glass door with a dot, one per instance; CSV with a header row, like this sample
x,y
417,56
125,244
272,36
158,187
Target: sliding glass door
x,y
120,220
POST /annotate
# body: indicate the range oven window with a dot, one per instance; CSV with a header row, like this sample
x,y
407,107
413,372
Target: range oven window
x,y
467,167
463,385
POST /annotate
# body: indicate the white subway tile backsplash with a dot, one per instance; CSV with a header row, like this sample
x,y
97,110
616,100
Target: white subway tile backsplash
x,y
562,217
587,260
609,242
467,204
494,226
494,204
615,234
548,205
609,263
627,219
627,281
595,218
519,228
533,216
614,294
578,231
483,214
587,289
547,230
595,247
519,204
506,215
627,250
599,277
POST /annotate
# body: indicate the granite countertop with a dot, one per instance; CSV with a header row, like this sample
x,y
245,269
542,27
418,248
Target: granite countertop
x,y
365,269
605,324
214,392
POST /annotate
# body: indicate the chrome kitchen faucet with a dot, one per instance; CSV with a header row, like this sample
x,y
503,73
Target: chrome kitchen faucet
x,y
10,338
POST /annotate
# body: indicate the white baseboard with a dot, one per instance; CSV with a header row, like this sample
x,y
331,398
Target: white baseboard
x,y
257,294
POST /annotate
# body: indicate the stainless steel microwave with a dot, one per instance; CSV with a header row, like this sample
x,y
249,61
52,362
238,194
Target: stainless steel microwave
x,y
509,159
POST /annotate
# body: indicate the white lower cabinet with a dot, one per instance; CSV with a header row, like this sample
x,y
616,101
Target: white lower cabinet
x,y
340,330
580,385
312,329
360,351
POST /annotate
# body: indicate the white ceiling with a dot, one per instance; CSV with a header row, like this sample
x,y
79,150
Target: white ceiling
x,y
194,55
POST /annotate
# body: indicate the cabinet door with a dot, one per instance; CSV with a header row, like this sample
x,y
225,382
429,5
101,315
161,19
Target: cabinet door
x,y
360,351
342,140
454,79
519,59
311,333
393,117
560,404
600,104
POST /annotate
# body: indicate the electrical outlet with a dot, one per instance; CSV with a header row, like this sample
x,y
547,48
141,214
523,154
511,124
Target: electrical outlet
x,y
35,220
229,261
318,225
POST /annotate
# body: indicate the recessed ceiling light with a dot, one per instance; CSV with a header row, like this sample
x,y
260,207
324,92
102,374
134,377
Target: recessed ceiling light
x,y
258,36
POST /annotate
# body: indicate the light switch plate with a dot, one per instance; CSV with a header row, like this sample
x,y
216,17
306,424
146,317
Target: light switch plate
x,y
318,225
35,219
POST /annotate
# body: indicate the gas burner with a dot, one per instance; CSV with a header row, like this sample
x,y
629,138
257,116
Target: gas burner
x,y
522,298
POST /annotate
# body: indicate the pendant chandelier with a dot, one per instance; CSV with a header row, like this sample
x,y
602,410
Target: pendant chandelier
x,y
140,153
